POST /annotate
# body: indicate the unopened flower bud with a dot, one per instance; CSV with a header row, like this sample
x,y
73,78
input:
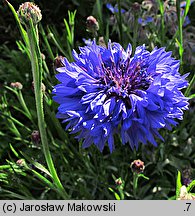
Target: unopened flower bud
x,y
137,166
184,195
27,11
136,7
92,24
186,176
16,85
118,181
21,162
35,137
58,62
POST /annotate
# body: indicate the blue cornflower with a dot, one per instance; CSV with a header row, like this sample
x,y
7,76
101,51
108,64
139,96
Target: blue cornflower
x,y
105,92
114,9
186,21
183,3
145,21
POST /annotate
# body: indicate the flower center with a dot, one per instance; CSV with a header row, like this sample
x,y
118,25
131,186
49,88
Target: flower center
x,y
125,79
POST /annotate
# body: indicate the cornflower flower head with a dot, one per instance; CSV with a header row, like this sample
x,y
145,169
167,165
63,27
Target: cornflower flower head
x,y
105,92
145,21
27,11
186,176
114,9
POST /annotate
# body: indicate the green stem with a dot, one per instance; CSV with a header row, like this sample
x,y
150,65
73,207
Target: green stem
x,y
13,128
191,186
47,182
161,7
70,53
135,181
180,25
23,104
135,33
120,22
36,64
187,92
46,72
50,53
71,16
121,194
56,43
2,167
100,17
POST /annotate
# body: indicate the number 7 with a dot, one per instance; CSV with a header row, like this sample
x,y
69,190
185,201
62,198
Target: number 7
x,y
189,204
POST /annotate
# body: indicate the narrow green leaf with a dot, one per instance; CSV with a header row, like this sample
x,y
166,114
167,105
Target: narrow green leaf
x,y
22,31
111,189
15,195
117,196
67,27
43,179
192,96
36,164
143,176
178,184
172,198
188,90
2,167
191,186
14,151
48,47
186,10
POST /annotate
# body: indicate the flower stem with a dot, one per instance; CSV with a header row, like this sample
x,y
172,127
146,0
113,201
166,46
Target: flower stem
x,y
161,7
122,197
135,181
120,22
52,37
100,17
36,64
135,33
188,90
180,39
48,47
23,104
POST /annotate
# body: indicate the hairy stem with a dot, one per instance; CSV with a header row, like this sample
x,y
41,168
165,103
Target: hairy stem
x,y
135,181
36,64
